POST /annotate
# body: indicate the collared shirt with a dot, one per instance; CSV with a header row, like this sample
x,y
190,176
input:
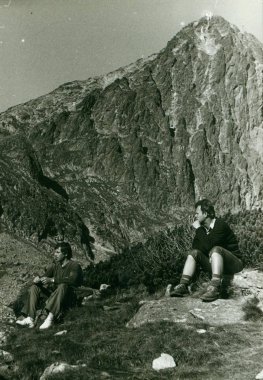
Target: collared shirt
x,y
212,225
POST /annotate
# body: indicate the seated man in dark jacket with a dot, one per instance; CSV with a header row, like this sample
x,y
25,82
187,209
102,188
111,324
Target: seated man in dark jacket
x,y
57,285
215,249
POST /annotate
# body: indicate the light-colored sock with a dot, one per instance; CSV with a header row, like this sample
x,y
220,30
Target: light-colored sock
x,y
185,279
216,280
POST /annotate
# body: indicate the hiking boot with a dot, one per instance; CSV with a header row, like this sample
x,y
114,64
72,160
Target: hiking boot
x,y
213,293
28,321
180,290
200,291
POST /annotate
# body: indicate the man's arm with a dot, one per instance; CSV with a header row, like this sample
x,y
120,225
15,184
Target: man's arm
x,y
48,277
200,241
49,272
195,244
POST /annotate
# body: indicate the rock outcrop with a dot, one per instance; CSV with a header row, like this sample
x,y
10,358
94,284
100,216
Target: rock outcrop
x,y
247,290
129,151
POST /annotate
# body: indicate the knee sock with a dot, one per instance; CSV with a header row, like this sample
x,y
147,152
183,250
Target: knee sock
x,y
216,280
185,279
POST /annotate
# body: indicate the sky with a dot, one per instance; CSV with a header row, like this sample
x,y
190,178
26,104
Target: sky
x,y
45,43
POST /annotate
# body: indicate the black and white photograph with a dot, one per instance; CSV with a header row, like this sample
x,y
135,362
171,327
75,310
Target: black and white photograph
x,y
131,189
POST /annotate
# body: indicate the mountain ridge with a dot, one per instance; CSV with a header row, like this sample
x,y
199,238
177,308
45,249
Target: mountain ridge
x,y
135,148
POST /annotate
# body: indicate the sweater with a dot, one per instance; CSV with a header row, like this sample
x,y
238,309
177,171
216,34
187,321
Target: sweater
x,y
221,235
70,274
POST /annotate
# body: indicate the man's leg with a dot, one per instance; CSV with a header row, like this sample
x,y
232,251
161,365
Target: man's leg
x,y
30,306
194,257
217,265
232,265
223,262
55,304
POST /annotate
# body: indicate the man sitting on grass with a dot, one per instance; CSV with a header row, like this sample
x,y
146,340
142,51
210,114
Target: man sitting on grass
x,y
57,286
215,249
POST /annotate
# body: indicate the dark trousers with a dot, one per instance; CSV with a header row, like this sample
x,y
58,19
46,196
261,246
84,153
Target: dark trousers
x,y
56,300
232,264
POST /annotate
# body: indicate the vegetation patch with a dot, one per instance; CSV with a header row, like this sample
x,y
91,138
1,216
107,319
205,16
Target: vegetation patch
x,y
97,335
154,264
98,338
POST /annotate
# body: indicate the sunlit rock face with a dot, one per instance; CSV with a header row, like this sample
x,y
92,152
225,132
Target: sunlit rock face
x,y
135,148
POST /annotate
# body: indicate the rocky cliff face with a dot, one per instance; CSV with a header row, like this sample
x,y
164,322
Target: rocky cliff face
x,y
130,151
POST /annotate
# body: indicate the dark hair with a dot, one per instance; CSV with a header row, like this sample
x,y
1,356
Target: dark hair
x,y
206,206
65,249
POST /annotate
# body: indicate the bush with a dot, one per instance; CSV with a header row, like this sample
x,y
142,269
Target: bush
x,y
160,260
248,227
155,264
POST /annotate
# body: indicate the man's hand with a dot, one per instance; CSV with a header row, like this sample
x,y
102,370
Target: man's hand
x,y
46,280
37,280
196,224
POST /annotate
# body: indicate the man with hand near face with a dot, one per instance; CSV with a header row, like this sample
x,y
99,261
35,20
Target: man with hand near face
x,y
215,249
57,285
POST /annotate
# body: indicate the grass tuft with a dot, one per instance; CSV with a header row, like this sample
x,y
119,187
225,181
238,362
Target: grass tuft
x,y
252,311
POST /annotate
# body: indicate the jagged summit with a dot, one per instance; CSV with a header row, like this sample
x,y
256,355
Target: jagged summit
x,y
133,149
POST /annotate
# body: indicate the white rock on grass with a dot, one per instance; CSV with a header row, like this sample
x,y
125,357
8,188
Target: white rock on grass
x,y
201,331
259,375
104,287
58,367
164,361
63,332
168,290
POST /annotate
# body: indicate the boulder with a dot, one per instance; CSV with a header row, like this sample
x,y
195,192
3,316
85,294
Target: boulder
x,y
259,375
247,286
163,362
58,367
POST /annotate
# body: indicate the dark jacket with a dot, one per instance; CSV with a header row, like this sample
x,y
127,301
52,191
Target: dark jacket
x,y
221,235
70,274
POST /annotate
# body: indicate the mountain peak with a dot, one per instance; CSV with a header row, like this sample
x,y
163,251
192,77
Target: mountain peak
x,y
135,148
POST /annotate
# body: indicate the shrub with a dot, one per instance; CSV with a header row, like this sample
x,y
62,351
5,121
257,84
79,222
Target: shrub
x,y
248,227
155,264
160,260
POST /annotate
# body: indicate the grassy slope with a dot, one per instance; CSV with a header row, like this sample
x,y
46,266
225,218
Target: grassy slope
x,y
100,339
